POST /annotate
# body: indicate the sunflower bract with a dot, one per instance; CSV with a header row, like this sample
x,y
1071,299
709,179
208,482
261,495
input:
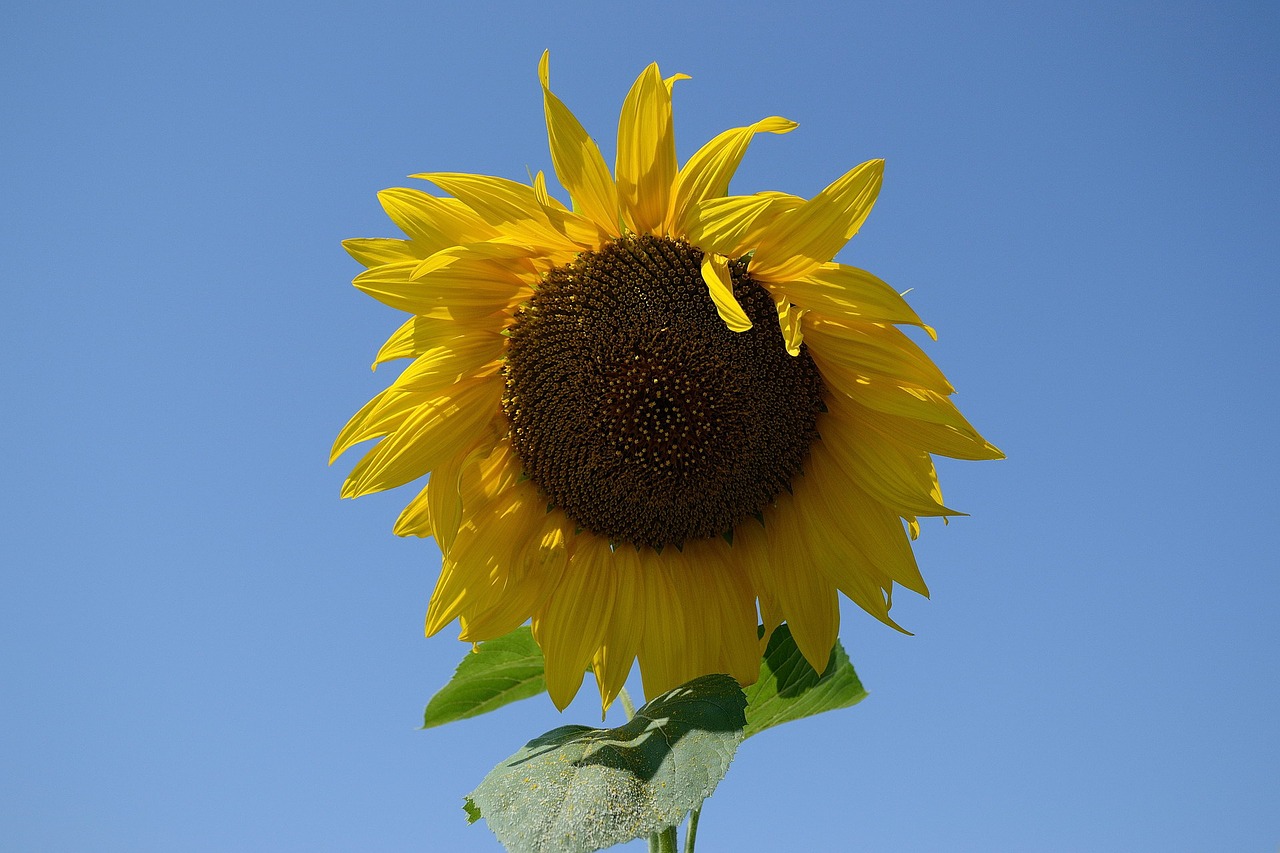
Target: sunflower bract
x,y
656,418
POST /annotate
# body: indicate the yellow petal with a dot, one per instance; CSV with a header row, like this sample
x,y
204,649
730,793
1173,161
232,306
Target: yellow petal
x,y
415,518
869,545
437,508
433,223
419,334
837,557
732,226
571,625
378,417
484,567
646,161
789,320
375,251
462,290
504,258
867,349
784,564
612,661
448,597
942,439
811,235
715,273
664,648
577,160
849,294
511,208
671,81
399,345
905,402
898,475
733,596
427,437
464,356
707,173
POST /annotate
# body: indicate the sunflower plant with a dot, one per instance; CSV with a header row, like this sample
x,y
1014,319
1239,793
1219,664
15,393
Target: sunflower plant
x,y
661,425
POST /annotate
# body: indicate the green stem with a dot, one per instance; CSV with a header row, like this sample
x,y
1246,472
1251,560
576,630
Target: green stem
x,y
627,704
666,840
692,832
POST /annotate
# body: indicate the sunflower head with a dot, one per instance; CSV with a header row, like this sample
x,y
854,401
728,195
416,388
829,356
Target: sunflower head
x,y
655,418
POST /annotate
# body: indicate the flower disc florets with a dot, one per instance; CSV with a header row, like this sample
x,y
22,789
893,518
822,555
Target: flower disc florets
x,y
638,412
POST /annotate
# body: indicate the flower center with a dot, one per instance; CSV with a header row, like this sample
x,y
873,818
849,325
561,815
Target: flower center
x,y
637,411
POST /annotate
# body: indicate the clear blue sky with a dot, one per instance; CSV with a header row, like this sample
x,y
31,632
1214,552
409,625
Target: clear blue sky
x,y
205,650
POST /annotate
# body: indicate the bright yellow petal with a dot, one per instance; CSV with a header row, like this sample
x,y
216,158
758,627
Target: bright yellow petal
x,y
399,345
789,320
433,223
484,569
732,226
427,437
510,259
463,290
731,593
848,294
612,661
715,273
905,402
837,557
866,349
898,475
664,648
577,160
441,500
376,251
869,546
476,354
511,208
419,334
415,518
571,625
942,439
646,161
378,417
707,173
782,562
796,244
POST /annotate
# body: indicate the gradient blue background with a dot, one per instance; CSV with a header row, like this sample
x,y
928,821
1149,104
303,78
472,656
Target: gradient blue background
x,y
205,650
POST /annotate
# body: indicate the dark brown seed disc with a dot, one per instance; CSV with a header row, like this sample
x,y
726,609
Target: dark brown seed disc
x,y
638,412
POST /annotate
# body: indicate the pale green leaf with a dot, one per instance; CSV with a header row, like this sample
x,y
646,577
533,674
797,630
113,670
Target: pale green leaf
x,y
577,789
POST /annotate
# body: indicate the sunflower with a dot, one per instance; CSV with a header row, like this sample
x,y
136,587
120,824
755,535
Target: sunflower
x,y
657,417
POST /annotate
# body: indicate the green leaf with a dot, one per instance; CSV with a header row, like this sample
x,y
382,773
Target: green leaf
x,y
497,673
789,689
577,789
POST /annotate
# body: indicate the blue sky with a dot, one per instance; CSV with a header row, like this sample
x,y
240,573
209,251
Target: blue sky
x,y
205,650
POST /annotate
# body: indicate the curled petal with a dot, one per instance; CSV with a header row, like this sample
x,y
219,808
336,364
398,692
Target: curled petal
x,y
715,272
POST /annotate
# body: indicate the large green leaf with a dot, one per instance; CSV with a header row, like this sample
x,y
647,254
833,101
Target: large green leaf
x,y
577,789
789,689
496,673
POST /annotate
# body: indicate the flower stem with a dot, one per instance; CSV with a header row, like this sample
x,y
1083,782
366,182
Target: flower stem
x,y
692,832
666,840
627,704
